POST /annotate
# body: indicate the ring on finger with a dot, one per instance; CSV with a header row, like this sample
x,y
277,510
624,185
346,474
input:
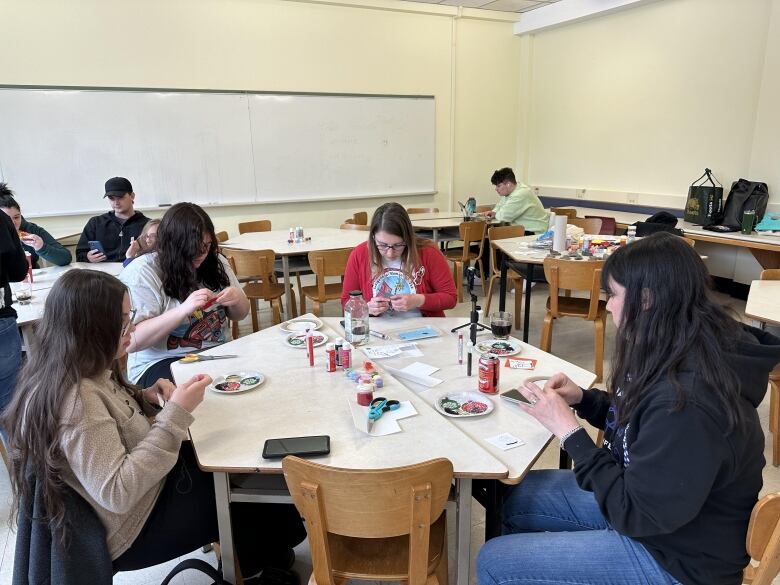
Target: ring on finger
x,y
533,400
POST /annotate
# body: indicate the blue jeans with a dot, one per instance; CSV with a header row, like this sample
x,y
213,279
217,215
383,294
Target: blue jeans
x,y
10,359
554,533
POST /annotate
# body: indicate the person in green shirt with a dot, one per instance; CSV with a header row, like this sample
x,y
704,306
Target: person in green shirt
x,y
517,204
35,240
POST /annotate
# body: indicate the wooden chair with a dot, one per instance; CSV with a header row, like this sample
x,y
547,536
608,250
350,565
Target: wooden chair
x,y
763,541
413,210
349,220
471,232
260,225
360,218
513,277
774,388
258,267
575,275
354,226
591,225
483,208
222,236
378,524
690,241
608,224
325,263
567,211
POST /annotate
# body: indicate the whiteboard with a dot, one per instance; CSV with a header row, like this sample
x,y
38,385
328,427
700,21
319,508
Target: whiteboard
x,y
58,147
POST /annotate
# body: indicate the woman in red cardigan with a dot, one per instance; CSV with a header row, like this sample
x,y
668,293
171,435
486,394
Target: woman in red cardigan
x,y
399,274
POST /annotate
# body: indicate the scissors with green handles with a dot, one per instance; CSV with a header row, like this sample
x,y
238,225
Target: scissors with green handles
x,y
191,358
378,407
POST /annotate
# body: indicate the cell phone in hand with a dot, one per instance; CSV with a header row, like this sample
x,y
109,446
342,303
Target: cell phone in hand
x,y
301,446
97,245
515,396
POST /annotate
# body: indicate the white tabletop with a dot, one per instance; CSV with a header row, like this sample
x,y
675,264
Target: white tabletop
x,y
518,249
763,302
298,400
276,240
442,352
622,217
436,215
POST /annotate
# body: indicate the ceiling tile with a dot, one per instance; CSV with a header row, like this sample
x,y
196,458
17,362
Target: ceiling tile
x,y
513,5
467,3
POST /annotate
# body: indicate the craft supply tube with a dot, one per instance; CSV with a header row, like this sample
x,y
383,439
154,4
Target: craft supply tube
x,y
377,334
559,233
460,348
310,346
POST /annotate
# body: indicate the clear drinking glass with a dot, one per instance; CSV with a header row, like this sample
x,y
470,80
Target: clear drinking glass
x,y
22,291
501,324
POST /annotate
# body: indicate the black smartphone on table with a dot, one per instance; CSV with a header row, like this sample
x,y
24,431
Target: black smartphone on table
x,y
514,395
301,446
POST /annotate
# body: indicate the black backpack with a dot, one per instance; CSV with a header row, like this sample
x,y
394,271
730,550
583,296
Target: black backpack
x,y
744,195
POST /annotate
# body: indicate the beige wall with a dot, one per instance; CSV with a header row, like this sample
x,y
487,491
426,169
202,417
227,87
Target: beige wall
x,y
632,106
375,47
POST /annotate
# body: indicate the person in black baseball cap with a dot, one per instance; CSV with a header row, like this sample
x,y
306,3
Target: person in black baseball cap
x,y
107,237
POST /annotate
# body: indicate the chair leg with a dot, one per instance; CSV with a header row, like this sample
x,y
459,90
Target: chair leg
x,y
599,349
294,304
276,311
254,316
545,344
317,307
459,280
481,272
442,570
518,305
489,295
303,305
234,330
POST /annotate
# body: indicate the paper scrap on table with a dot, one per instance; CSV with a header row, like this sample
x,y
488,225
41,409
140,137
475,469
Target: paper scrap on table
x,y
427,381
505,441
387,424
520,363
376,352
420,369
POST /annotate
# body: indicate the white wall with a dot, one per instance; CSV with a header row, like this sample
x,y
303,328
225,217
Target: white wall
x,y
633,105
372,46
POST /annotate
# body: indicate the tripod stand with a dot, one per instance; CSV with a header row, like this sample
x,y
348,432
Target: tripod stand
x,y
473,323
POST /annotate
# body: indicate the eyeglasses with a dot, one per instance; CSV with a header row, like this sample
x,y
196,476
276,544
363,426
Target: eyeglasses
x,y
131,318
382,247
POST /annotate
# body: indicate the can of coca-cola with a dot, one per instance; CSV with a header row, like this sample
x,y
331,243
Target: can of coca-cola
x,y
488,373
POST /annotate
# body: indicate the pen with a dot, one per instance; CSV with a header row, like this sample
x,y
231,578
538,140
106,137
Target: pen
x,y
460,348
377,334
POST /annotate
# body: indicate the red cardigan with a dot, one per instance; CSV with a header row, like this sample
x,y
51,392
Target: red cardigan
x,y
437,284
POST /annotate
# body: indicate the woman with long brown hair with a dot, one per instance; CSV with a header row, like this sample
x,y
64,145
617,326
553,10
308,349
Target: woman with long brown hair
x,y
146,242
184,293
398,273
78,422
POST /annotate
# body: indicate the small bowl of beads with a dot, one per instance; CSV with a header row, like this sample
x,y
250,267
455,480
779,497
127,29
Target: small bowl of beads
x,y
237,382
463,404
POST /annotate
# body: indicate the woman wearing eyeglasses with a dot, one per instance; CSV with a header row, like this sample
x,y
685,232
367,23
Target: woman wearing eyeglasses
x,y
399,274
184,292
146,242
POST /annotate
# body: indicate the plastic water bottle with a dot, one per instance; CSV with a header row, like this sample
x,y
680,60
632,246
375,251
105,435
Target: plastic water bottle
x,y
356,318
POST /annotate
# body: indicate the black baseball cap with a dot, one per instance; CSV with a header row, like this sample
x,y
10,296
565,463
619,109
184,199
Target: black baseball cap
x,y
117,187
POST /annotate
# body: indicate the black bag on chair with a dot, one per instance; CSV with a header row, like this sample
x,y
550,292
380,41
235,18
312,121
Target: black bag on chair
x,y
704,201
744,195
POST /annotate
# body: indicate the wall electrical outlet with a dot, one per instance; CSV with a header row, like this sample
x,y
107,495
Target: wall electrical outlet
x,y
580,193
632,198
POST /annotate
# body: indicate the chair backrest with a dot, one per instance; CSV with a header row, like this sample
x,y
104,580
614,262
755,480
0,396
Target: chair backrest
x,y
354,226
412,210
328,263
567,211
770,274
591,225
261,225
222,236
376,503
608,224
501,233
690,241
256,265
574,275
472,232
360,218
763,540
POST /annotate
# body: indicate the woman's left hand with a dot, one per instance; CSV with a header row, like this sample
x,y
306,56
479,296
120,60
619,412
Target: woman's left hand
x,y
162,388
407,302
549,408
230,297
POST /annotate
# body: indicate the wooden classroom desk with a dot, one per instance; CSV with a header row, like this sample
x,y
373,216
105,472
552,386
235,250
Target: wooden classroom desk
x,y
763,302
436,215
276,240
765,249
297,400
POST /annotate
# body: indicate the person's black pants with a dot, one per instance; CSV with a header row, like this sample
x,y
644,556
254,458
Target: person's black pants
x,y
161,369
185,518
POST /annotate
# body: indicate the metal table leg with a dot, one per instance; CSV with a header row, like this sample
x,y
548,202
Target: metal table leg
x,y
463,530
502,285
222,493
529,279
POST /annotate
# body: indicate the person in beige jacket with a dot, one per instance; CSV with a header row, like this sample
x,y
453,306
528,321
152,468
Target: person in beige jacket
x,y
76,420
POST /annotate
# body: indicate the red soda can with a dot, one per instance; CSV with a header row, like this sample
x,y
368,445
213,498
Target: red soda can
x,y
330,357
488,373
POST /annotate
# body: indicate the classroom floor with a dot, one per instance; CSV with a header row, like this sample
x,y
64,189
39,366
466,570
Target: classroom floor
x,y
572,340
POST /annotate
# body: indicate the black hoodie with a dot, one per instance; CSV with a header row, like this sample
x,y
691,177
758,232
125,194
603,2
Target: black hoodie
x,y
113,233
676,481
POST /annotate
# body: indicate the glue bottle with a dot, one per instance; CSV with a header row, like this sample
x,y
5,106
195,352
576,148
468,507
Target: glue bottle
x,y
346,355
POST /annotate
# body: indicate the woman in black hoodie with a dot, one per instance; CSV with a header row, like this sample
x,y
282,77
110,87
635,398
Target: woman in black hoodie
x,y
667,497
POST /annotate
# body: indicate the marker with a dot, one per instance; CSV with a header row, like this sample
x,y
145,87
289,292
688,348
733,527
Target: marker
x,y
209,303
310,346
460,348
164,205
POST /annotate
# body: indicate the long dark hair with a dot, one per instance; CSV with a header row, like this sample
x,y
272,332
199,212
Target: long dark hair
x,y
179,241
669,322
393,219
76,339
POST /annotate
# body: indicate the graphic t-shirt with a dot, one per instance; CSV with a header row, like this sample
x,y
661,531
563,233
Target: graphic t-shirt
x,y
392,281
199,330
